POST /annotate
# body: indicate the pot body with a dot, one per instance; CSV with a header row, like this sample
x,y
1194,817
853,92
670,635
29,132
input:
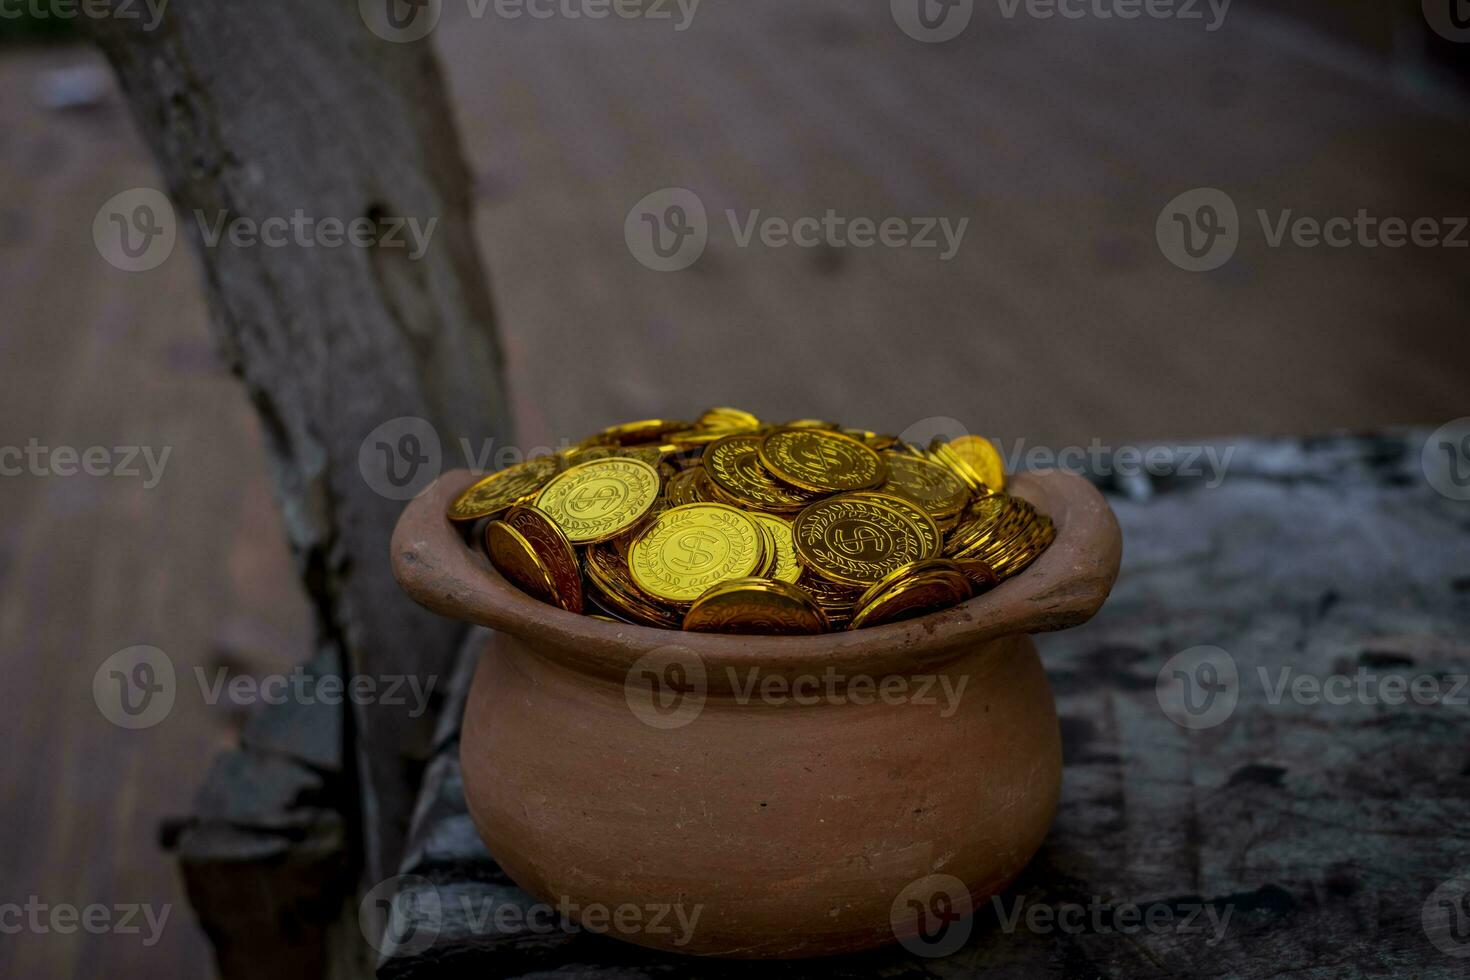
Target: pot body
x,y
759,814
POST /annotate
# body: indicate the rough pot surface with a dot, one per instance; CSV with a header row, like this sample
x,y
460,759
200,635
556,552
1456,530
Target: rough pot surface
x,y
883,776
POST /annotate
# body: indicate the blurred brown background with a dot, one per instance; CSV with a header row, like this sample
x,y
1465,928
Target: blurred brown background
x,y
1059,320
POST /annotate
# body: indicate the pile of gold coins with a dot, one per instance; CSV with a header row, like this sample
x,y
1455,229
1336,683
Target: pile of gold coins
x,y
731,525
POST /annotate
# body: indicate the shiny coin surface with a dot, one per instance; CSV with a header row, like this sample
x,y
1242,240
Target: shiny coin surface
x,y
784,566
653,455
553,551
980,574
914,591
729,524
733,464
598,500
982,456
928,528
612,590
733,419
498,492
515,558
821,460
930,485
856,542
682,488
690,548
756,607
921,567
633,433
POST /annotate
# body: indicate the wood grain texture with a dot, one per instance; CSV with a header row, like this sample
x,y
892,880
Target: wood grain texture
x,y
265,110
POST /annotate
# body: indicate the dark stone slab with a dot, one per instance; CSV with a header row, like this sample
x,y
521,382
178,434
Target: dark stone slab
x,y
1303,831
266,857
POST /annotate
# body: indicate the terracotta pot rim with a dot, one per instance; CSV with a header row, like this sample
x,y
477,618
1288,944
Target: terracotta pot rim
x,y
1062,588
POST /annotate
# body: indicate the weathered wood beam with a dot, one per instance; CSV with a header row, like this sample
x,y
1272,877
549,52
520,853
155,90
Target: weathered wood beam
x,y
274,108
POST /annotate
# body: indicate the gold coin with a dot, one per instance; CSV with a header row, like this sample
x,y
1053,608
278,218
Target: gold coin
x,y
821,460
768,550
755,607
598,500
613,591
809,424
980,574
983,458
653,455
856,542
633,433
921,567
872,440
980,523
837,601
554,552
732,419
690,548
785,567
733,465
930,485
682,488
498,492
921,588
927,526
515,558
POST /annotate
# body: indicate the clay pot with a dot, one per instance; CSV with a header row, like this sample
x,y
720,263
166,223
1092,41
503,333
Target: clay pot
x,y
609,766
